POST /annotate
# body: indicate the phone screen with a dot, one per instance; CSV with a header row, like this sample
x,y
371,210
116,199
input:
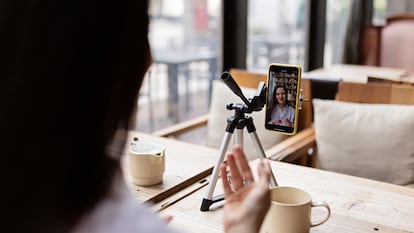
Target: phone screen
x,y
282,98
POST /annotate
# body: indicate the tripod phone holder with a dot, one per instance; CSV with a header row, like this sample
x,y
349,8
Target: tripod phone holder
x,y
238,121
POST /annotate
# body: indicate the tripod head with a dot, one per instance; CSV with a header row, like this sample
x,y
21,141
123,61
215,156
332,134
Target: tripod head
x,y
254,103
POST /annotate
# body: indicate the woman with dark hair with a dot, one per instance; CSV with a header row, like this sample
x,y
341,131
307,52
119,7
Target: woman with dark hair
x,y
281,113
70,76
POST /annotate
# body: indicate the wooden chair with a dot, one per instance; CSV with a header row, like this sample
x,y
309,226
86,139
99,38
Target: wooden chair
x,y
390,45
370,93
246,79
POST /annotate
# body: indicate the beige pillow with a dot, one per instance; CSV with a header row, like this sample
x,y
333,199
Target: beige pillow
x,y
374,141
217,121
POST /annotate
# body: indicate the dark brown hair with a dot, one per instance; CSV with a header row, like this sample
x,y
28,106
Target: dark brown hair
x,y
70,73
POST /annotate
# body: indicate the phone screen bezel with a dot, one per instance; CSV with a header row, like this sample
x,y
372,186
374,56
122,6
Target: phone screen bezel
x,y
285,68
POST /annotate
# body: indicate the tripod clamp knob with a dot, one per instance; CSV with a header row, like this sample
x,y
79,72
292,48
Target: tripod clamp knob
x,y
301,99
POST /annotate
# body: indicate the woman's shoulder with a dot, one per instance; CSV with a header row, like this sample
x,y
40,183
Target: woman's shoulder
x,y
121,213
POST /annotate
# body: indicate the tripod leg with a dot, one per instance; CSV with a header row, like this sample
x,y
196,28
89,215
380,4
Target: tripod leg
x,y
239,137
260,150
257,144
208,197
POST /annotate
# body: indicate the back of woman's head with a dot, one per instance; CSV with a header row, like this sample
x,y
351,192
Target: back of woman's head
x,y
70,74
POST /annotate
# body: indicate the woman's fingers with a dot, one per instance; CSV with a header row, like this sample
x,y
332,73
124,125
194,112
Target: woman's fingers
x,y
167,218
236,177
287,122
240,172
243,165
226,185
264,172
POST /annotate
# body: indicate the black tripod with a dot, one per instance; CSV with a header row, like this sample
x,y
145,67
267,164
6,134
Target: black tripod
x,y
238,121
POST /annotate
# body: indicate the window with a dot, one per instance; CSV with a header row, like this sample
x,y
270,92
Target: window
x,y
337,12
184,39
276,32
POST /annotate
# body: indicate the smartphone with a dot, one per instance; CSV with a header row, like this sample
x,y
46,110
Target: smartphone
x,y
282,98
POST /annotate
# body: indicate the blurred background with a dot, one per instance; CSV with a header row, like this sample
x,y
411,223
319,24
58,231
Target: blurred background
x,y
193,41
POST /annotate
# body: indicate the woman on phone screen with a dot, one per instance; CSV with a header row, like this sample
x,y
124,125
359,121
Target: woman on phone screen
x,y
281,113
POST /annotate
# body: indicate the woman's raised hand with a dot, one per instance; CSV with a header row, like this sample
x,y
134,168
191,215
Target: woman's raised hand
x,y
247,201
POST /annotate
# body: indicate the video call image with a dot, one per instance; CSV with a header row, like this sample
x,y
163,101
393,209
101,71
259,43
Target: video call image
x,y
282,98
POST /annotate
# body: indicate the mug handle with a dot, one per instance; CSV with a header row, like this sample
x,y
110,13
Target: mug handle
x,y
323,204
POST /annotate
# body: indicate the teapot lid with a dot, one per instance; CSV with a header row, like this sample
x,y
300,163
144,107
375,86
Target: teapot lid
x,y
139,147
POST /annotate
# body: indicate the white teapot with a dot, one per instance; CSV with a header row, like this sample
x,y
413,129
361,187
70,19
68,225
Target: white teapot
x,y
146,162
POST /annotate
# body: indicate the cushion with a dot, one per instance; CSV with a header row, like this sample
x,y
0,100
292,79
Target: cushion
x,y
374,141
217,121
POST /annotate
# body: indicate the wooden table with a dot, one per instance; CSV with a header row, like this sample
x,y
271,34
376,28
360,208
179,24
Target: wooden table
x,y
360,73
186,164
357,204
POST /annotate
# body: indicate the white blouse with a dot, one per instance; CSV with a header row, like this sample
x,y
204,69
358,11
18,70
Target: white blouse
x,y
121,212
279,115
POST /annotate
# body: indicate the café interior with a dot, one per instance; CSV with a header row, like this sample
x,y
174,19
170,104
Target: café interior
x,y
353,147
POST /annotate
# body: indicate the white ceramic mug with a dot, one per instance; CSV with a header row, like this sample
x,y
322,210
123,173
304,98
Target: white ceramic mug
x,y
146,163
290,211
